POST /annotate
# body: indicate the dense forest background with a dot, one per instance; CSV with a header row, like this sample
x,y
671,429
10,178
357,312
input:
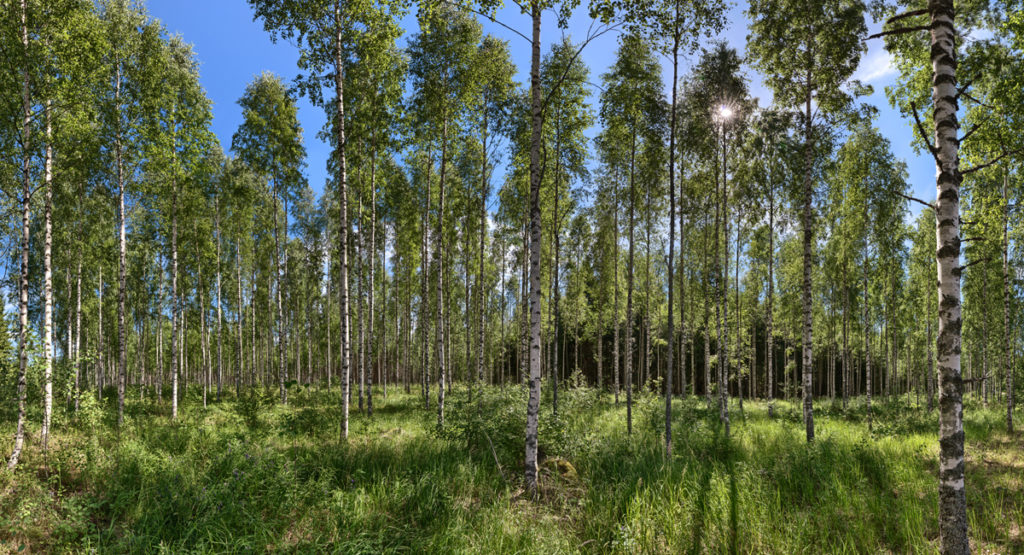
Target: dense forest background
x,y
475,235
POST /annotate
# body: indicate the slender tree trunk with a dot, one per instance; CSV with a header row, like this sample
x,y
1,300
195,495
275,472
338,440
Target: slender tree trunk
x,y
533,404
159,330
203,342
48,284
26,199
372,259
867,333
984,335
739,370
770,311
78,325
599,340
683,330
670,337
384,312
646,367
847,374
327,311
101,345
806,301
1007,354
371,351
615,284
524,313
175,307
220,348
360,266
122,338
721,290
408,327
629,290
441,366
423,317
484,191
467,313
240,364
707,297
339,125
252,324
555,315
279,275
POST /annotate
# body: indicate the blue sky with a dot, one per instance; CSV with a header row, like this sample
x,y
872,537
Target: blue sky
x,y
232,49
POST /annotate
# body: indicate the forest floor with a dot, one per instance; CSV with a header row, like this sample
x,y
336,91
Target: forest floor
x,y
250,476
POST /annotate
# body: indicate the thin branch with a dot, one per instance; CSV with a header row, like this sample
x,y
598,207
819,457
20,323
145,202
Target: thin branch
x,y
990,162
976,101
978,379
924,136
522,8
492,19
959,270
970,132
915,199
962,90
904,15
901,31
968,239
590,36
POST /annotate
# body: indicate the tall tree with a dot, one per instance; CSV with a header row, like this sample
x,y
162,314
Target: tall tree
x,y
632,102
441,63
675,26
806,51
564,80
269,141
495,102
324,30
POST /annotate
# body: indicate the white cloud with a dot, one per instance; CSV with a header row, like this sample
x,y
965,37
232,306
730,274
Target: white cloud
x,y
876,66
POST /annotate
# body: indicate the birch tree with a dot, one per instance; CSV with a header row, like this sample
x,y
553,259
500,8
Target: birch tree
x,y
806,51
269,141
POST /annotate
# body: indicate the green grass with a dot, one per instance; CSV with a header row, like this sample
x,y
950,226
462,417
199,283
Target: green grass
x,y
252,476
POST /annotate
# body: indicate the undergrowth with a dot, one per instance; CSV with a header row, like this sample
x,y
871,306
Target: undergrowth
x,y
248,475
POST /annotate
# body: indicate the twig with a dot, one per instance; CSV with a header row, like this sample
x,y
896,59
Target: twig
x,y
975,100
590,36
905,15
495,454
915,199
492,19
962,90
990,162
970,132
978,379
901,31
959,270
924,136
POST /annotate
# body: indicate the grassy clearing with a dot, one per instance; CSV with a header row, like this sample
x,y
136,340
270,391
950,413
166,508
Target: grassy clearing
x,y
249,476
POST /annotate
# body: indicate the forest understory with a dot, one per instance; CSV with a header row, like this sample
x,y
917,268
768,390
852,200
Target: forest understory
x,y
248,475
